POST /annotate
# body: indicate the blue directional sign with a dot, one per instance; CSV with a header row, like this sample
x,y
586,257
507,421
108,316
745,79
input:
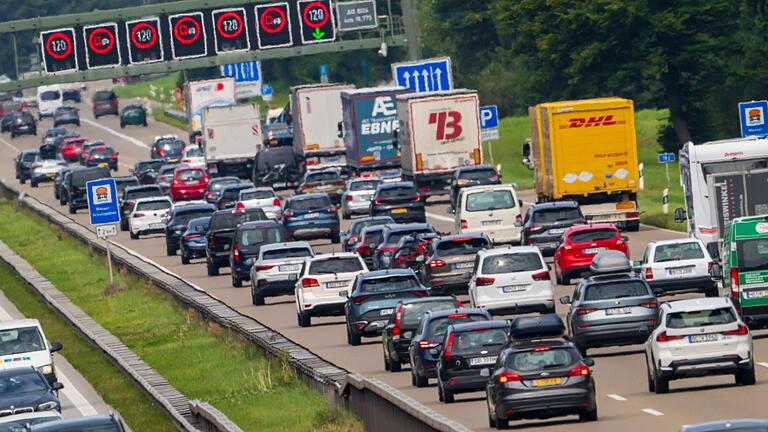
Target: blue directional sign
x,y
424,75
102,201
752,116
266,90
249,71
489,117
666,157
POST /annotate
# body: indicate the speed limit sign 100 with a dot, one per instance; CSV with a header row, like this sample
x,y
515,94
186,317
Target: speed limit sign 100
x,y
59,50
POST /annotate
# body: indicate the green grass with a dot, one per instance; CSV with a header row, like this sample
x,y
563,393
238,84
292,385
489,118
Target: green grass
x,y
199,358
159,115
514,130
164,88
114,387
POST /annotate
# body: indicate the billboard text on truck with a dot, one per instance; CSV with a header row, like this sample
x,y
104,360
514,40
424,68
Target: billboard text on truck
x,y
204,94
374,118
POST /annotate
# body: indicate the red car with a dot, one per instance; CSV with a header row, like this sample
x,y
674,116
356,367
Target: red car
x,y
580,244
71,148
189,183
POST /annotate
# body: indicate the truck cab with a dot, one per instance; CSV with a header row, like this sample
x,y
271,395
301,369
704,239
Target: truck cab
x,y
745,268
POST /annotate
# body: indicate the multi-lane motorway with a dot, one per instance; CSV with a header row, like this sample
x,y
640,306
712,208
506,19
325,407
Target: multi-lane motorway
x,y
623,398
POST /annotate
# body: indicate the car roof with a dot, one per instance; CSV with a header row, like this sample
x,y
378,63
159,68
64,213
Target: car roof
x,y
371,219
675,241
326,256
286,245
388,272
226,178
612,277
429,300
510,249
157,198
198,220
75,423
140,187
16,418
407,227
525,344
480,167
704,303
554,204
323,171
258,189
460,237
503,186
366,179
18,370
722,425
475,325
590,227
259,224
459,310
193,208
394,185
27,322
184,167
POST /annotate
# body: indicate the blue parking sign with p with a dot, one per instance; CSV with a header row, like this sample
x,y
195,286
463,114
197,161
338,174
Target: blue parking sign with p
x,y
489,117
102,201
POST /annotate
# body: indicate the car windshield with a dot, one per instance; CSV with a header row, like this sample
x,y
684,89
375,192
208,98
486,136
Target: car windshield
x,y
153,205
678,251
335,265
438,326
20,340
220,184
397,235
472,340
233,192
490,200
172,147
364,185
183,218
389,283
373,237
323,176
397,192
512,263
541,358
412,312
257,236
150,165
12,106
103,152
80,178
589,236
50,95
461,246
484,174
615,290
680,320
143,193
255,195
292,252
553,215
314,203
752,254
29,157
190,175
22,382
19,425
65,109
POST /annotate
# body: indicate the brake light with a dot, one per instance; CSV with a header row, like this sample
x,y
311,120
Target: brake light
x,y
493,178
138,215
663,337
710,265
191,236
579,370
424,189
458,303
287,214
303,187
418,293
648,273
447,350
364,249
542,276
534,228
541,349
90,157
651,304
519,219
236,253
359,299
276,202
484,281
436,263
584,310
114,156
186,160
332,210
309,282
741,331
398,318
506,377
377,200
240,205
349,198
734,282
425,344
458,315
417,198
463,224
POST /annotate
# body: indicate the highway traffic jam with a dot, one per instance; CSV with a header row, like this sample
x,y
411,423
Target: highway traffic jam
x,y
369,214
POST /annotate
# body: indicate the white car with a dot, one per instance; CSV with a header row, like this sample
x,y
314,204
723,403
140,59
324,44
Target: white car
x,y
698,337
511,280
149,216
677,266
17,422
193,157
320,282
356,198
264,198
493,210
275,271
44,170
48,99
23,344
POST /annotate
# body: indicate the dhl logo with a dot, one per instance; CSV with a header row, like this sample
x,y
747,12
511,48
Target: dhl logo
x,y
580,122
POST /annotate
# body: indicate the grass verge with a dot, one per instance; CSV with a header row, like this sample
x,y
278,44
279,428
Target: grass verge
x,y
159,89
159,115
114,387
200,359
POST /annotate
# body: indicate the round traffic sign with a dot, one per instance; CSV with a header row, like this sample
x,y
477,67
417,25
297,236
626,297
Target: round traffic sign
x,y
316,14
58,45
186,33
273,20
143,35
101,40
229,25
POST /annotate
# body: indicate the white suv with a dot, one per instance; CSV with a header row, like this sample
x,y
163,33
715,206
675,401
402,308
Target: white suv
x,y
149,216
512,280
698,337
320,282
677,266
275,271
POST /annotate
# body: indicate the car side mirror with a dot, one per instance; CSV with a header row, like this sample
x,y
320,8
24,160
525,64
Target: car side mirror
x,y
589,362
342,234
565,300
679,215
344,294
625,238
549,267
57,386
56,346
716,272
520,203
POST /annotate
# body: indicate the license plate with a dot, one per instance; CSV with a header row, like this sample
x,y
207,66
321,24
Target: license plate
x,y
279,185
592,251
490,222
289,268
556,231
50,174
702,338
311,216
478,361
543,382
102,164
756,294
514,288
400,211
332,159
386,312
618,311
156,225
679,271
464,265
548,245
336,284
324,187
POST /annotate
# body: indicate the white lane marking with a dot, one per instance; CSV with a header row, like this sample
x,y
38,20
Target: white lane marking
x,y
6,143
439,217
763,364
123,136
75,397
652,412
616,397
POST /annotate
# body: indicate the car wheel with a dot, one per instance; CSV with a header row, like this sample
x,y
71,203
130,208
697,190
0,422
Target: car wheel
x,y
144,123
387,366
123,224
122,125
304,319
170,250
633,226
22,180
712,291
660,384
257,299
63,201
236,281
354,339
502,424
213,269
588,415
651,382
134,236
448,396
746,376
184,258
395,366
33,183
344,215
565,279
419,381
335,238
73,210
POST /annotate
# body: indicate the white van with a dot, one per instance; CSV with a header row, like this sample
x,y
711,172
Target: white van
x,y
48,99
491,209
23,344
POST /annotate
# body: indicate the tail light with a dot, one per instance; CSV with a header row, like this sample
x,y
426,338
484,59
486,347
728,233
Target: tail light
x,y
114,156
240,205
484,281
191,236
436,263
424,189
332,210
663,337
303,187
620,241
633,215
533,228
425,345
417,198
377,200
579,370
542,276
161,152
138,215
309,283
209,195
710,266
584,310
276,202
741,331
359,299
287,214
519,219
463,224
236,253
418,293
734,282
448,349
186,160
651,304
648,273
364,249
507,377
90,157
398,318
492,178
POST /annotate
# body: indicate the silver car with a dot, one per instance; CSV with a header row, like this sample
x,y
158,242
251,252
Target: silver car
x,y
275,271
356,198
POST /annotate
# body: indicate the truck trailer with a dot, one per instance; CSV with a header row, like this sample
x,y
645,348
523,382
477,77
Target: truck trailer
x,y
231,138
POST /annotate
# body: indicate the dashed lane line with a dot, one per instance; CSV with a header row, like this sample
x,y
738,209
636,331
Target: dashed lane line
x,y
120,135
763,364
439,217
616,397
653,412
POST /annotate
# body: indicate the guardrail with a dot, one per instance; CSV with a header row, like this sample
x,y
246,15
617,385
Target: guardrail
x,y
379,406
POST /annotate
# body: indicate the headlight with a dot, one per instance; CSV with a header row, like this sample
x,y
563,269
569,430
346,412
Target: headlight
x,y
47,369
47,406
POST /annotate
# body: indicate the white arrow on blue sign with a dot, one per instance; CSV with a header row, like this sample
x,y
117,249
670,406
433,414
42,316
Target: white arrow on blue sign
x,y
243,72
666,157
424,75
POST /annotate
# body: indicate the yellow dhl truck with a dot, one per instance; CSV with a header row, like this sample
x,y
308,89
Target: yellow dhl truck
x,y
586,151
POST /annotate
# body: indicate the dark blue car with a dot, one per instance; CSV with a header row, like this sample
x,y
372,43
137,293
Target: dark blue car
x,y
192,242
178,220
311,216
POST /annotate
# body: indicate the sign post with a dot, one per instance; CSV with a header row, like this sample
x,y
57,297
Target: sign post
x,y
752,118
489,126
665,201
666,159
104,213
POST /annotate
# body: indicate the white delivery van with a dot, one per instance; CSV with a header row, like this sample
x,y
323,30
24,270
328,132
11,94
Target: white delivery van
x,y
48,99
23,344
490,209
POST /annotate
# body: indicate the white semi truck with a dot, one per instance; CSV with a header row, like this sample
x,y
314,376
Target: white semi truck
x,y
231,138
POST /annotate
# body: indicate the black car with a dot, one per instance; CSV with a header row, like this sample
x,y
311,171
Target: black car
x,y
400,201
474,175
229,194
370,238
123,182
98,423
219,237
170,149
178,220
449,267
7,121
54,132
396,337
165,176
216,185
71,94
129,197
539,375
351,237
26,389
468,355
277,167
192,242
102,156
23,164
545,223
427,341
76,192
25,124
58,182
247,240
391,235
87,146
146,170
66,114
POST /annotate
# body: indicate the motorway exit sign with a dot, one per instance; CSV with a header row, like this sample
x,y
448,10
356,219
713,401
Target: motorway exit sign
x,y
316,21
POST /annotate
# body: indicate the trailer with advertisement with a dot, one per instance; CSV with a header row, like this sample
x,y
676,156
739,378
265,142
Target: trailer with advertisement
x,y
199,95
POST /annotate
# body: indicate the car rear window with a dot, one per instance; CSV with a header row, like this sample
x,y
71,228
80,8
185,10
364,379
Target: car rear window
x,y
143,193
103,152
678,251
413,312
478,174
438,326
310,203
103,95
220,184
250,237
472,340
490,200
260,194
679,320
390,283
553,215
323,176
80,178
199,225
395,237
461,246
589,236
753,254
358,227
150,165
373,237
396,192
512,263
50,95
229,219
193,152
335,265
29,157
615,290
190,175
173,147
185,217
294,252
541,358
153,205
364,185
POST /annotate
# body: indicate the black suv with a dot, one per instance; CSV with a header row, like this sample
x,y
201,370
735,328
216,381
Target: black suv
x,y
23,164
277,167
102,423
475,175
129,197
545,223
169,148
177,223
216,185
146,170
219,237
400,201
246,243
229,195
77,197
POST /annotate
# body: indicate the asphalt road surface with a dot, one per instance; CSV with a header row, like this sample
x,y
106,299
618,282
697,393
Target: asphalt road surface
x,y
623,398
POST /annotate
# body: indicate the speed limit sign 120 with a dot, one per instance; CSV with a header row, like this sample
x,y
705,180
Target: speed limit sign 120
x,y
59,50
145,42
231,30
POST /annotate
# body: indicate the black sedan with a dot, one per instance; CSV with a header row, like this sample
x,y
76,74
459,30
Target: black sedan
x,y
23,164
178,220
146,170
400,201
25,124
545,223
25,389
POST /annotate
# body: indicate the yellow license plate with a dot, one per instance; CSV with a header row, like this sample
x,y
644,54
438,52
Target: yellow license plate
x,y
625,205
400,211
543,382
50,174
103,164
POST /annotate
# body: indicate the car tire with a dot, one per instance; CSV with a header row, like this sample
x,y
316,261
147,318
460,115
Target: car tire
x,y
502,424
236,281
304,319
589,416
33,183
418,381
184,258
352,339
22,180
712,291
134,236
746,376
335,238
395,366
213,269
649,376
63,201
257,299
170,250
565,279
345,215
123,224
633,226
444,395
144,124
660,384
72,210
122,125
